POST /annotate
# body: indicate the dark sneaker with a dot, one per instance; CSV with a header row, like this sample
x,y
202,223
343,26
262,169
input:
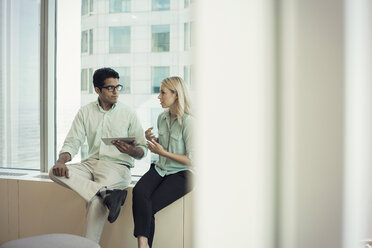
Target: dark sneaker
x,y
114,201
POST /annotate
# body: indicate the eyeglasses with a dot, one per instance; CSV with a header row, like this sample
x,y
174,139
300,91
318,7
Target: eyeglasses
x,y
111,88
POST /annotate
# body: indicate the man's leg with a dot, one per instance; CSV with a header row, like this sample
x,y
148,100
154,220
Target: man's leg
x,y
80,180
112,177
95,219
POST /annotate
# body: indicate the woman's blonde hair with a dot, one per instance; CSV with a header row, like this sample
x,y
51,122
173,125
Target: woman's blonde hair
x,y
183,105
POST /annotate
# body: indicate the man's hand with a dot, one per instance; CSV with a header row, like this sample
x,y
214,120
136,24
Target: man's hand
x,y
129,149
149,135
60,169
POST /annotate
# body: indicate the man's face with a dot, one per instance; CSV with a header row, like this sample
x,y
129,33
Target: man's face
x,y
105,94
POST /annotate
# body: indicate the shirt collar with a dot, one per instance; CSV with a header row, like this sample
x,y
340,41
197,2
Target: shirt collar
x,y
166,115
101,109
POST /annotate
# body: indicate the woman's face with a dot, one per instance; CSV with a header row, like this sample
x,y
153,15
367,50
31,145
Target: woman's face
x,y
167,98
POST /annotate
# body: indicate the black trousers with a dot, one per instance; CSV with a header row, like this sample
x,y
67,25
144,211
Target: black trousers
x,y
153,193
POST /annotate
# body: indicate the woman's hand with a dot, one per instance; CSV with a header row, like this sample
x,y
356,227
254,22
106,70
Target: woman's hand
x,y
149,135
155,147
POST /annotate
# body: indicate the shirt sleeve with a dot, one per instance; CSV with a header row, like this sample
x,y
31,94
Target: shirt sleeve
x,y
136,130
75,137
188,138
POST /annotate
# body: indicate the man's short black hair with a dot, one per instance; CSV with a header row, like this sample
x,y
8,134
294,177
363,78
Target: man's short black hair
x,y
100,75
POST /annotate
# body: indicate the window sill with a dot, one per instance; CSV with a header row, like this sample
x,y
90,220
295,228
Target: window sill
x,y
34,175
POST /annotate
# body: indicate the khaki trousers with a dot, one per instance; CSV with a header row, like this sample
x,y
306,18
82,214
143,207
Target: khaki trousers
x,y
86,179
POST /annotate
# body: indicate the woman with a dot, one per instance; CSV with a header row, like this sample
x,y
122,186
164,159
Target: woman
x,y
168,179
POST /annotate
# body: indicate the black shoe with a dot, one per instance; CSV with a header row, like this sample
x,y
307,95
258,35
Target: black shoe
x,y
114,201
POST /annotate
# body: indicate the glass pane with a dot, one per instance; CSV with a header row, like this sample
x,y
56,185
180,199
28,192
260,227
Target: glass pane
x,y
90,41
186,36
157,75
119,39
124,74
91,7
84,7
186,74
20,84
160,38
192,36
160,4
90,80
124,42
84,42
119,6
84,80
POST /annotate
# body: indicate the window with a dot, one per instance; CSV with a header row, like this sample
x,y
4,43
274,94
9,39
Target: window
x,y
160,38
192,77
84,42
158,73
186,74
20,84
192,35
90,81
186,40
160,4
120,6
119,39
90,41
86,7
124,74
87,41
138,49
84,80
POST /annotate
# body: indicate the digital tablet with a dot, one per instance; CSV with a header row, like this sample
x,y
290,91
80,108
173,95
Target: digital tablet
x,y
128,140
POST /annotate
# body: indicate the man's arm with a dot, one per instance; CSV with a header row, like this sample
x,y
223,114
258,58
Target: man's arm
x,y
60,168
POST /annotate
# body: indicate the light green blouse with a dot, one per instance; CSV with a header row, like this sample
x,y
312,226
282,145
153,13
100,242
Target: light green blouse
x,y
174,138
94,123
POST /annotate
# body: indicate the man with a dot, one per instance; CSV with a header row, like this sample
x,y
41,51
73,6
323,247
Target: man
x,y
101,179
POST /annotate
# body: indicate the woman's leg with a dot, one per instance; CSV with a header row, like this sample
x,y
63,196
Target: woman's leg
x,y
142,205
170,189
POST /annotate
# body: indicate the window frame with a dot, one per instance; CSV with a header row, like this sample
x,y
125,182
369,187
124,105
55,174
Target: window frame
x,y
47,84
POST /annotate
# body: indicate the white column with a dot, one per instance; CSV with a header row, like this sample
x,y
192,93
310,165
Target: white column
x,y
358,123
311,145
234,131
